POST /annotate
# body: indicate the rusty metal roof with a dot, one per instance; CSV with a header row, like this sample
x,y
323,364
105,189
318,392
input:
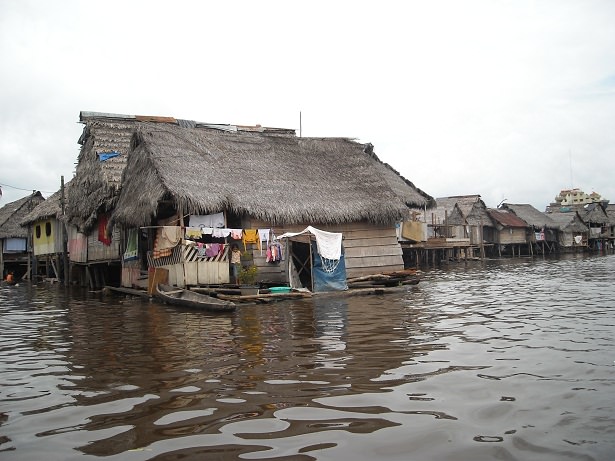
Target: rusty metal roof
x,y
507,218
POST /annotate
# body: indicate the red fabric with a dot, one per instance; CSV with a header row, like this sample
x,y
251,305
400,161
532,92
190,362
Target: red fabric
x,y
102,230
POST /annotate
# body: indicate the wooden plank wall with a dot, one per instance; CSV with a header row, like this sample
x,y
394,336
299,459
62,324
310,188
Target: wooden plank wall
x,y
48,244
369,249
97,251
77,245
517,236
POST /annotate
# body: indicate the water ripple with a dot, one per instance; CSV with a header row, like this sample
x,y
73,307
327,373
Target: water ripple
x,y
497,360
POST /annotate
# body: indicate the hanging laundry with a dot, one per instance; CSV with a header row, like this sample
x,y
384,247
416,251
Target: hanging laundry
x,y
329,243
236,234
193,232
168,237
132,245
210,220
221,233
212,250
274,253
103,222
162,253
263,236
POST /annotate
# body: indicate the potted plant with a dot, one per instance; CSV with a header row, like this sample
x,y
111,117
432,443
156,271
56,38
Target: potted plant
x,y
247,280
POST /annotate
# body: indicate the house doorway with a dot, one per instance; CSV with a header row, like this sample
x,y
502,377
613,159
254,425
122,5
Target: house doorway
x,y
300,269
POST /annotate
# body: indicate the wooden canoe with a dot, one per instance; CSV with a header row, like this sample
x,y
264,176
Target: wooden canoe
x,y
187,298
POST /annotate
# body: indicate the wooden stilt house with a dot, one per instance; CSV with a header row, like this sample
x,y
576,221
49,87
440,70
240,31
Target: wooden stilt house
x,y
94,245
190,190
15,249
513,233
544,236
595,217
573,233
46,226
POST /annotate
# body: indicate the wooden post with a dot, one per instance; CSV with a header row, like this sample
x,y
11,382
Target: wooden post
x,y
480,238
88,276
64,233
311,264
29,255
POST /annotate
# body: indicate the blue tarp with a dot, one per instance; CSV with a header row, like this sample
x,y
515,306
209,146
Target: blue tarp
x,y
323,278
107,155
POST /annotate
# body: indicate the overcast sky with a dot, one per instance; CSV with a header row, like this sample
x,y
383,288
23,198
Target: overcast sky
x,y
511,100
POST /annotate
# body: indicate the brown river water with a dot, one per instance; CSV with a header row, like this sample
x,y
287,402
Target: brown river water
x,y
507,360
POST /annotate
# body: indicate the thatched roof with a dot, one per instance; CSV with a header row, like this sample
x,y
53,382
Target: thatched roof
x,y
272,176
531,215
96,183
594,213
471,207
569,221
439,214
13,213
50,208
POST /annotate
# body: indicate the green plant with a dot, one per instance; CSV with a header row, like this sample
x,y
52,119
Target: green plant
x,y
247,275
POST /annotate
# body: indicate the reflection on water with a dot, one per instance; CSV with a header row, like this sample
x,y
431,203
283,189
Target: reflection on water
x,y
501,360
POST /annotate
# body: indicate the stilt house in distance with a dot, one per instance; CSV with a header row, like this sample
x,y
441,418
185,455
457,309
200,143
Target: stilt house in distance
x,y
226,178
545,230
46,229
14,246
573,234
512,231
462,217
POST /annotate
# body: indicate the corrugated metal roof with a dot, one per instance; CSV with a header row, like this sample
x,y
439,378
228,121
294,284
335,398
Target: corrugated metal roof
x,y
507,218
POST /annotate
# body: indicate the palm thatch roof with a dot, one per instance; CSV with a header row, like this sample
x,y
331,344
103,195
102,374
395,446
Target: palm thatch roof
x,y
470,207
531,215
269,175
13,213
50,208
569,221
594,213
97,182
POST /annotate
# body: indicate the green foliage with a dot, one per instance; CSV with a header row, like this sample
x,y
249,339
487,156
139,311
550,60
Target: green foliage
x,y
247,275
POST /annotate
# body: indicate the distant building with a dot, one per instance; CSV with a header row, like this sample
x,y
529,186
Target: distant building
x,y
574,197
14,246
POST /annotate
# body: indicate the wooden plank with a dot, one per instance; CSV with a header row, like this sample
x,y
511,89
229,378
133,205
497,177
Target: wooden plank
x,y
363,271
363,252
370,242
375,261
191,273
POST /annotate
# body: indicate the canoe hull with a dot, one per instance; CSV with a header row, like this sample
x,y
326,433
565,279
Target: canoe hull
x,y
190,299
